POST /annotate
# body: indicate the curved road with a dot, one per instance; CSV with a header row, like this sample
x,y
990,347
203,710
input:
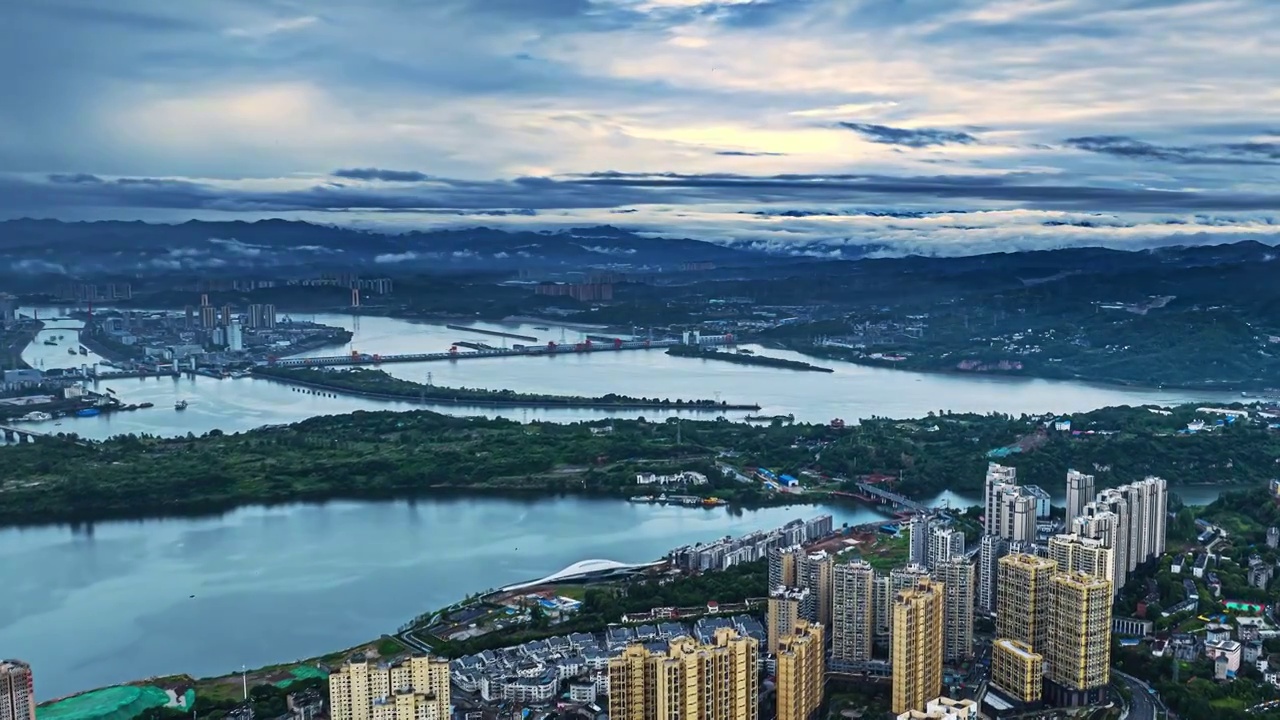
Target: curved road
x,y
1146,703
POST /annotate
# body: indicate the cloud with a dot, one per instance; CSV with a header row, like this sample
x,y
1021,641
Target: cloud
x,y
1241,153
839,121
382,175
915,138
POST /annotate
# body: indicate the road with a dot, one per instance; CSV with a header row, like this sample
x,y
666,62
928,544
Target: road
x,y
1145,704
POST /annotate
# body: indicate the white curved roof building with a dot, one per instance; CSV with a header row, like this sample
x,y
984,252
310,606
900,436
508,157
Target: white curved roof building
x,y
585,570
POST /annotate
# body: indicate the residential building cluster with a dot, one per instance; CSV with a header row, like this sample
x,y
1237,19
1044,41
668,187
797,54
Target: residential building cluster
x,y
728,552
415,688
538,670
1052,600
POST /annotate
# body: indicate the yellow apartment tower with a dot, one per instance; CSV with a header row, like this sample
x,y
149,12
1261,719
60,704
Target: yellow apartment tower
x,y
916,642
1079,650
787,607
1017,670
717,681
801,672
1022,604
413,689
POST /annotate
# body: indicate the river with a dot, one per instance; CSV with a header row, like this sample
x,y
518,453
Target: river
x,y
89,607
94,606
852,392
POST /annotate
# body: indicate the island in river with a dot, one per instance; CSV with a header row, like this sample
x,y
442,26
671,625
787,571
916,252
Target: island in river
x,y
742,359
379,384
399,455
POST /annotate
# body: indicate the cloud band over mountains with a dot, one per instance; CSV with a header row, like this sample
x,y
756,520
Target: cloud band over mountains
x,y
976,123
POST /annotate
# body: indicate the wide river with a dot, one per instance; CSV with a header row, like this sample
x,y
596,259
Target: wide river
x,y
852,392
124,600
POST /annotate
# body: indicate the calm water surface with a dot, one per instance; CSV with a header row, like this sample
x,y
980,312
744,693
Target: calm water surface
x,y
852,392
111,603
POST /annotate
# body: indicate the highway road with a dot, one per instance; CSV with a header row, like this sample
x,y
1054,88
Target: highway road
x,y
1145,704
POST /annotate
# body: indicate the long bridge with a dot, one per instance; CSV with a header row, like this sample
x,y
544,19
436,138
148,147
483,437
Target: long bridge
x,y
551,348
878,494
20,435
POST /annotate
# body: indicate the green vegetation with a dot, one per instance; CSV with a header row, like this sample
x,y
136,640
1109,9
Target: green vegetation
x,y
730,357
380,384
1195,694
387,454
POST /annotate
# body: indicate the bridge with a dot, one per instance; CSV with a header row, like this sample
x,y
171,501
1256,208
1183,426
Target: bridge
x,y
551,348
886,497
17,434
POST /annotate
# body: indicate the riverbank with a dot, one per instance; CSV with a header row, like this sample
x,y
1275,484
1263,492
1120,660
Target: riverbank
x,y
1255,390
377,384
688,351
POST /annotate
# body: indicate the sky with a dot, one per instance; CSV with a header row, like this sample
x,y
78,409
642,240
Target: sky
x,y
810,126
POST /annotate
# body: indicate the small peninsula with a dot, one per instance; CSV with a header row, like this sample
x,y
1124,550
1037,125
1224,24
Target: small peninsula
x,y
380,385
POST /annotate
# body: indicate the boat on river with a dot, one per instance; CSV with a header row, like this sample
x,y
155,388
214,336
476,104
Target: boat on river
x,y
88,412
180,405
36,416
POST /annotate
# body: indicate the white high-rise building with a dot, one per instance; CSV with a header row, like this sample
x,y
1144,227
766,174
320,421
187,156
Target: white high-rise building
x,y
853,617
1080,554
957,576
1149,507
1079,493
944,543
883,604
918,540
17,691
1114,502
990,549
1104,526
999,479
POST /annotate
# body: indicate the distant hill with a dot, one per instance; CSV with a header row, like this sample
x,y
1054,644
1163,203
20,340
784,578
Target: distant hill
x,y
281,246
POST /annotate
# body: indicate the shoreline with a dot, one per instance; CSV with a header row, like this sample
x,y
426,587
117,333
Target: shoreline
x,y
585,403
1256,393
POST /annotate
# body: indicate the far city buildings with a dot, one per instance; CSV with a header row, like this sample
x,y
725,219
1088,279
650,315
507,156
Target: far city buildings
x,y
718,680
17,691
416,688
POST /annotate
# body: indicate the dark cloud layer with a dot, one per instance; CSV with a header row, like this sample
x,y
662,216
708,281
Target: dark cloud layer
x,y
1243,153
916,138
606,190
380,174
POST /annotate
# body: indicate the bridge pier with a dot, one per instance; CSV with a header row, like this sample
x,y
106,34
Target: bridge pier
x,y
8,435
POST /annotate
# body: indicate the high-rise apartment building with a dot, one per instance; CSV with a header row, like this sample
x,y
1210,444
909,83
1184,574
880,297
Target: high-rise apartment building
x,y
1090,556
853,612
813,573
416,688
1017,671
1000,479
915,648
1079,494
918,539
1104,526
990,549
1078,656
1010,510
261,316
907,576
956,575
1148,512
782,566
787,607
17,691
716,681
944,544
208,317
801,673
1022,608
882,601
